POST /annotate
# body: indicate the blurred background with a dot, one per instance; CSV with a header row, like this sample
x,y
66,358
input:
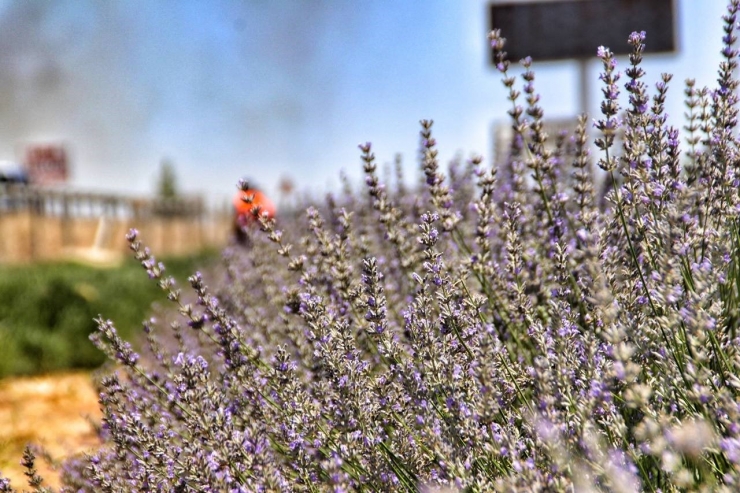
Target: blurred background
x,y
276,90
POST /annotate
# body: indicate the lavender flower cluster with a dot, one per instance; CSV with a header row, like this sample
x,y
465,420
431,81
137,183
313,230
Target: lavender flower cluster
x,y
570,328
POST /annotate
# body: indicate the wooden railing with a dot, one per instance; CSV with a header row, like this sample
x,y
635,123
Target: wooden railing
x,y
50,224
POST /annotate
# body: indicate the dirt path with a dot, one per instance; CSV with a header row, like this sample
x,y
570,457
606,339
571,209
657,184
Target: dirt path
x,y
50,411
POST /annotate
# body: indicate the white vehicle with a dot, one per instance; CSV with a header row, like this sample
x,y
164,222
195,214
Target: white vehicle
x,y
12,172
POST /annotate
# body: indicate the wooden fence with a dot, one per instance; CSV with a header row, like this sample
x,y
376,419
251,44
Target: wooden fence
x,y
42,224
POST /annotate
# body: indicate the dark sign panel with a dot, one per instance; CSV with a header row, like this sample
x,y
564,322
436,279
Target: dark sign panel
x,y
556,30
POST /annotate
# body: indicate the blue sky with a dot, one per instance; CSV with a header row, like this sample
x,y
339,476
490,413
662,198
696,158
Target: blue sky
x,y
273,88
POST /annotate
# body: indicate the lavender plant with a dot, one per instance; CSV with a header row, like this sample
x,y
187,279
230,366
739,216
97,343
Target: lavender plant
x,y
478,335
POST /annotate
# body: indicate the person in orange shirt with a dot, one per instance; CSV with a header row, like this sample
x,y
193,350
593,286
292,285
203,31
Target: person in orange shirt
x,y
249,203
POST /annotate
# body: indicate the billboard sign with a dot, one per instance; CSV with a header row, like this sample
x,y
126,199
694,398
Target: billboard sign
x,y
46,164
566,29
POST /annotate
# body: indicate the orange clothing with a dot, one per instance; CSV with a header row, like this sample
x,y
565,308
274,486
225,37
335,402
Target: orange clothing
x,y
246,200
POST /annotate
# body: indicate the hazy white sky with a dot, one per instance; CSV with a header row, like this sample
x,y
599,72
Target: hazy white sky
x,y
272,88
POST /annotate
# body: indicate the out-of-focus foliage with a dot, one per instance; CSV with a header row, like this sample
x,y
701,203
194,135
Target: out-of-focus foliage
x,y
47,311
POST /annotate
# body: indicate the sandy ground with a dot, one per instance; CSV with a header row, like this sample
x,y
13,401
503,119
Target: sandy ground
x,y
53,411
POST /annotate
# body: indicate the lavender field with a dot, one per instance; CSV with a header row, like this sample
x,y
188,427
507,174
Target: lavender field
x,y
565,320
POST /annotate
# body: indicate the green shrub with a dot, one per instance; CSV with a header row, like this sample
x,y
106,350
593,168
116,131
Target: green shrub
x,y
47,310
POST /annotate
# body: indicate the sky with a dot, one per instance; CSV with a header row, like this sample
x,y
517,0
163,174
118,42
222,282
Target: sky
x,y
268,89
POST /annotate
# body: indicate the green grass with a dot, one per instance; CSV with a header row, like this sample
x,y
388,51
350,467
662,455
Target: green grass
x,y
47,310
